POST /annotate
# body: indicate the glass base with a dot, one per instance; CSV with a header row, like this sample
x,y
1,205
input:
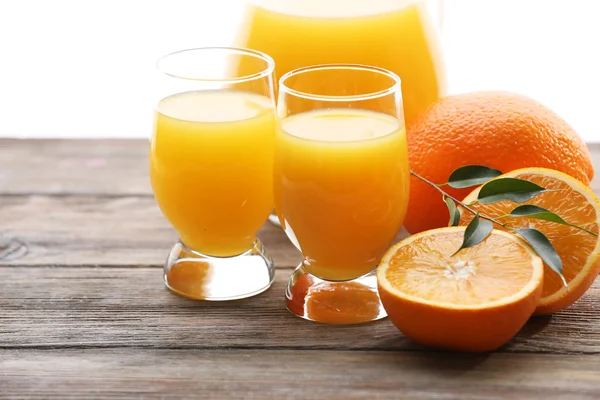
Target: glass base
x,y
349,302
274,219
201,277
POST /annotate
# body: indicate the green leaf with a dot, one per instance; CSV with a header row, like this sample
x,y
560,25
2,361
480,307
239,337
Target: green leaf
x,y
471,175
513,189
542,246
454,213
476,232
531,211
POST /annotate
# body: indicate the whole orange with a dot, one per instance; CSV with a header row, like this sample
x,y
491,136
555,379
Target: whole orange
x,y
501,130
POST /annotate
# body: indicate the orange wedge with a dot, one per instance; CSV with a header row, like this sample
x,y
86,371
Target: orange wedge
x,y
579,251
473,301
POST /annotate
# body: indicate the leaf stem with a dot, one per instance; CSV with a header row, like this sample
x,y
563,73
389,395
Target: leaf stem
x,y
582,229
460,203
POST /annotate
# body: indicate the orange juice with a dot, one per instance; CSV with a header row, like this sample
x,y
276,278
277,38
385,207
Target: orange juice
x,y
341,187
397,35
211,167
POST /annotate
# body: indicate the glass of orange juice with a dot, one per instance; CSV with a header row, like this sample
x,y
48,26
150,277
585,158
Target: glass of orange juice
x,y
211,168
341,185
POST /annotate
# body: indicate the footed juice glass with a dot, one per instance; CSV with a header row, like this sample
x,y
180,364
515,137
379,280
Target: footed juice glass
x,y
211,168
341,185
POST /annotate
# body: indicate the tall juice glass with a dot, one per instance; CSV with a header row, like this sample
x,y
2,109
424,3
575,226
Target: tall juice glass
x,y
341,185
211,168
398,35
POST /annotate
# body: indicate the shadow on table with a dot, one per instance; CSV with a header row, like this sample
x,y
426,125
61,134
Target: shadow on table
x,y
448,364
533,327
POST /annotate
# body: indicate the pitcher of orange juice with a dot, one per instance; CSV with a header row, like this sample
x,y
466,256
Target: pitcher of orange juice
x,y
398,35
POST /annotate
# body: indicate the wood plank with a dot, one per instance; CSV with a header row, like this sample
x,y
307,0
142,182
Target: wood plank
x,y
107,167
595,152
309,374
112,167
90,230
129,307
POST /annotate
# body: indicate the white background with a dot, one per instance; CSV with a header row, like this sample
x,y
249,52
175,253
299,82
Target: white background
x,y
85,68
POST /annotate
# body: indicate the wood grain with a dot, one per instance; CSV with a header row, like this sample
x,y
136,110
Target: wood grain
x,y
283,374
595,153
96,167
58,167
89,230
84,313
129,307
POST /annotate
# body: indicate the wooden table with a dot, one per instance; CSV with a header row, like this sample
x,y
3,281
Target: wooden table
x,y
84,313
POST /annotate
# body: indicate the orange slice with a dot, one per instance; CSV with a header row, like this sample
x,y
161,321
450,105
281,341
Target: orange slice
x,y
579,251
474,301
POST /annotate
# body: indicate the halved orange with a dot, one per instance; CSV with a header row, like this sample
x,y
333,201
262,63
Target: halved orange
x,y
473,301
579,251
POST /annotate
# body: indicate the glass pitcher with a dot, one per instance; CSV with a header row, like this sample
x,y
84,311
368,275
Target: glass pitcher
x,y
398,35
